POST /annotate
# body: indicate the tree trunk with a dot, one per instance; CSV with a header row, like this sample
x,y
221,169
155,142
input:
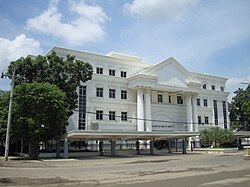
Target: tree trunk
x,y
57,149
33,151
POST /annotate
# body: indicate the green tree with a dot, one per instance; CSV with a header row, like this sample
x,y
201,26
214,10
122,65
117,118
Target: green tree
x,y
240,110
42,112
216,135
66,73
4,104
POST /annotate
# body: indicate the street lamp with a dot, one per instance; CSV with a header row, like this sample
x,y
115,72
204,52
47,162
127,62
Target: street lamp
x,y
7,142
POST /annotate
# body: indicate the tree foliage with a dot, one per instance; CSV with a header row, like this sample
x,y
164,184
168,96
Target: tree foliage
x,y
66,73
240,110
4,103
40,113
46,88
217,136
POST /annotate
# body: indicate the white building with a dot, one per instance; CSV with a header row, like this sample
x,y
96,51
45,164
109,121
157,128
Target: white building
x,y
126,94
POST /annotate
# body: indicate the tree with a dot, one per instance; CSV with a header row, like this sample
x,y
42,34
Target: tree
x,y
240,110
4,104
42,112
216,135
65,73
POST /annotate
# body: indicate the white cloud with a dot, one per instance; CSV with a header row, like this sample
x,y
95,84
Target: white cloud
x,y
160,9
234,83
87,27
21,46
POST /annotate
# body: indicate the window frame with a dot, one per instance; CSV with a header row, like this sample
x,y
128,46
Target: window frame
x,y
124,74
160,98
179,99
112,93
99,70
99,115
124,116
112,72
112,115
124,94
206,120
99,92
198,102
205,102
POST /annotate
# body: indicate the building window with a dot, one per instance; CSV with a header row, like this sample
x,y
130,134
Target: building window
x,y
224,108
199,120
82,108
212,87
111,72
99,115
204,86
111,115
206,120
222,88
123,74
179,100
111,93
160,98
99,70
205,102
124,116
124,94
99,92
198,102
215,112
169,99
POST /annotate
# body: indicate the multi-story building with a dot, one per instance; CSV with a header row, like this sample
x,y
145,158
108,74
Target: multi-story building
x,y
126,94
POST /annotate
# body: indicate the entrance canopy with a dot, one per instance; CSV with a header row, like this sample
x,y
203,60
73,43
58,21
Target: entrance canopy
x,y
126,135
242,134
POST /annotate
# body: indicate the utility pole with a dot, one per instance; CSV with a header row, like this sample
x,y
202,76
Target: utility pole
x,y
7,141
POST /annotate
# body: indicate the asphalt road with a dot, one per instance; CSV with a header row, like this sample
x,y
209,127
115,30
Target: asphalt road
x,y
130,170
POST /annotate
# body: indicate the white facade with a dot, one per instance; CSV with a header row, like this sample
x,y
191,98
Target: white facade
x,y
144,97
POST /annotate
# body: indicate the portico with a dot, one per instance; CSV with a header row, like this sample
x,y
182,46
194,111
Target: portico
x,y
113,136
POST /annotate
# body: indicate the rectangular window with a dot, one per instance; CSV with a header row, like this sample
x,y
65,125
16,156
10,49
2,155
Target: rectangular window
x,y
169,99
99,115
111,93
123,74
206,120
99,92
99,70
222,88
179,100
204,86
198,102
111,115
111,72
224,108
199,120
123,94
82,107
205,102
212,87
160,98
124,116
215,112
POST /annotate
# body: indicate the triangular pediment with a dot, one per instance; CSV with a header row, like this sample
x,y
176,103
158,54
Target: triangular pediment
x,y
171,72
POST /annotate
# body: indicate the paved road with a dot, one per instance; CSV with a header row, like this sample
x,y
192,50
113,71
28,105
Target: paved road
x,y
130,170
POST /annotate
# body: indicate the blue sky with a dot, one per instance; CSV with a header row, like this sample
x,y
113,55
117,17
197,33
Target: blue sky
x,y
210,37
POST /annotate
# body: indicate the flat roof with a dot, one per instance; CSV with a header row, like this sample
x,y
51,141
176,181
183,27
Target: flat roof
x,y
126,135
242,134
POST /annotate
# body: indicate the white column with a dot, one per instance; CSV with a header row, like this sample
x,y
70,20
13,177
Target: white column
x,y
148,111
189,118
140,110
189,113
195,117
